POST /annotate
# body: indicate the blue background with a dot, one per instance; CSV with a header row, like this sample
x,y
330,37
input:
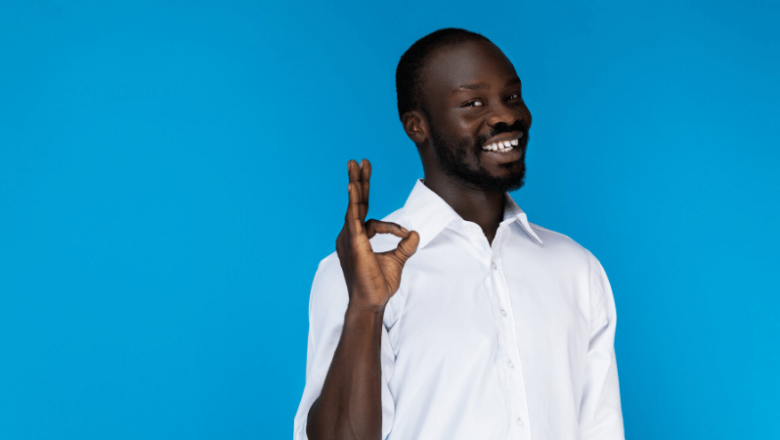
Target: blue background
x,y
172,172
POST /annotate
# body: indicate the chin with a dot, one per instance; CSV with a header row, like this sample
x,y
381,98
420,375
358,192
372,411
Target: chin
x,y
497,183
510,178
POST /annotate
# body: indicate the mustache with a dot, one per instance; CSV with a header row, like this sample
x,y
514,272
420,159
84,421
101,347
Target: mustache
x,y
520,125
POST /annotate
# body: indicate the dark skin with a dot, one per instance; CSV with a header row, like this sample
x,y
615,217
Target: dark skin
x,y
462,113
470,89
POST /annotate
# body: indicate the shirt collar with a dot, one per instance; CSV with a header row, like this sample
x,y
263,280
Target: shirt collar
x,y
512,212
429,214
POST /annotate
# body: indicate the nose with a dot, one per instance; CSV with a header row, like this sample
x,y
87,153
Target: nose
x,y
504,114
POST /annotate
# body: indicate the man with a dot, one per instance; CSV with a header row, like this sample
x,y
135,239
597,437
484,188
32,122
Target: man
x,y
459,319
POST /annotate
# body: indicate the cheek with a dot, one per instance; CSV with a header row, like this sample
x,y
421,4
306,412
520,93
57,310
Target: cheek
x,y
467,132
470,129
461,136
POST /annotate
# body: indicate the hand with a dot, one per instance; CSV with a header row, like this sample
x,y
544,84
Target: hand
x,y
372,278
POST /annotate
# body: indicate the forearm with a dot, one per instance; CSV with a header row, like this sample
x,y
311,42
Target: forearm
x,y
350,404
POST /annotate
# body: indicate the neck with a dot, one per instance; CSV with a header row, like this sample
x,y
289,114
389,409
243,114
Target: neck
x,y
485,208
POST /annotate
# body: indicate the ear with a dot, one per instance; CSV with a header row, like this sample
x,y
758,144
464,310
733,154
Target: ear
x,y
416,126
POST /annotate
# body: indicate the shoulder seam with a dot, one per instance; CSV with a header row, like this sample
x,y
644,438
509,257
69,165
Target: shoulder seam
x,y
537,227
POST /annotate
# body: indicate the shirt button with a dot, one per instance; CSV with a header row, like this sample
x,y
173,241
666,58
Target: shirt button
x,y
503,312
511,365
495,266
520,422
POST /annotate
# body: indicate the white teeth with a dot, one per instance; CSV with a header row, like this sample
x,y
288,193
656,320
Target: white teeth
x,y
502,146
514,142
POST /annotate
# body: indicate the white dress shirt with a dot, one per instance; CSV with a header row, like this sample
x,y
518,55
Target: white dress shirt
x,y
481,342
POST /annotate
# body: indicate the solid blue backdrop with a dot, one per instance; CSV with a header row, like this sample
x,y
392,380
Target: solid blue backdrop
x,y
172,172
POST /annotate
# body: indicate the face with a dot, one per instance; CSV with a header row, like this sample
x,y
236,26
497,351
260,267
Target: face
x,y
478,122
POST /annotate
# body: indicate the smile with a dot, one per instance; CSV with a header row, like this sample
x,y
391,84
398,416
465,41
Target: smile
x,y
503,146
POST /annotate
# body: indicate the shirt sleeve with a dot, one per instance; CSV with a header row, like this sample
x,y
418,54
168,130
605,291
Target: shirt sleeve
x,y
327,306
601,417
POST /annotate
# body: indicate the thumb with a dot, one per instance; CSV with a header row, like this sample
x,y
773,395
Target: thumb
x,y
407,247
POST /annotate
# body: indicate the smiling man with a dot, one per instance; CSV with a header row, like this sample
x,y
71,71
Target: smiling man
x,y
454,317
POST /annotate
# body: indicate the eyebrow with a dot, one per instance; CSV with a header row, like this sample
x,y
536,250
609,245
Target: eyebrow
x,y
483,85
473,86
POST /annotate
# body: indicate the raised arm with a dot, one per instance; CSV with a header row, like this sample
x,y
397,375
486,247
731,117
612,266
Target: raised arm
x,y
350,404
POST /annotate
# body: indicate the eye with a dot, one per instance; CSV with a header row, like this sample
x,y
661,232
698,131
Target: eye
x,y
473,104
514,96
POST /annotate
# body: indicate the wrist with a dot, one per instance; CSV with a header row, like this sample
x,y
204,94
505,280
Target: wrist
x,y
358,313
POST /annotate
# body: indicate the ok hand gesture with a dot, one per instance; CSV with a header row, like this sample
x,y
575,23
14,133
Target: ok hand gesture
x,y
372,278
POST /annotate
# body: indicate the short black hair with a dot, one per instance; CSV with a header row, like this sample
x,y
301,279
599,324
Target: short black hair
x,y
408,74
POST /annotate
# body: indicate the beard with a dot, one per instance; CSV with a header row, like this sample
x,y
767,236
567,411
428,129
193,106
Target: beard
x,y
452,161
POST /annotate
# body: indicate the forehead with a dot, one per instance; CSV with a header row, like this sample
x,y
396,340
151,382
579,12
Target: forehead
x,y
467,63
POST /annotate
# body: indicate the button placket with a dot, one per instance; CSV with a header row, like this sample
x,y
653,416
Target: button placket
x,y
494,286
513,370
